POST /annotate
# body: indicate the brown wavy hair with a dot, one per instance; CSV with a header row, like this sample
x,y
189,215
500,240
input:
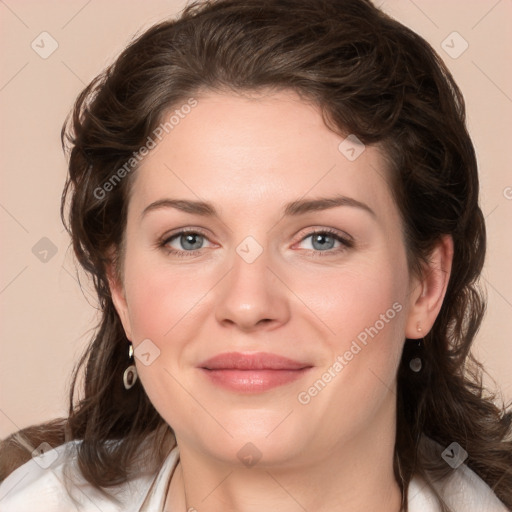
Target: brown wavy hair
x,y
370,76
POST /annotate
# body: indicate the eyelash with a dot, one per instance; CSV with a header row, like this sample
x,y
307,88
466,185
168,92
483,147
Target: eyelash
x,y
345,243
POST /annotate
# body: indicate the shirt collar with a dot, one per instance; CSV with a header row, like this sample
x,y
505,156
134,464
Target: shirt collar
x,y
157,493
463,491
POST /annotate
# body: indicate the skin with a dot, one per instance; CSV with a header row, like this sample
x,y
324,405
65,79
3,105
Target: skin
x,y
249,156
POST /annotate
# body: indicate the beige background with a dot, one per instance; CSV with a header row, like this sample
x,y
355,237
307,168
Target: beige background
x,y
46,319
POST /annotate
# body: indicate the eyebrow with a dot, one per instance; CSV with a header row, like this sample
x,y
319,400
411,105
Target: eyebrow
x,y
293,209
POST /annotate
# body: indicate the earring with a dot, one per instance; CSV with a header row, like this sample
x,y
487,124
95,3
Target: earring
x,y
416,363
130,374
418,328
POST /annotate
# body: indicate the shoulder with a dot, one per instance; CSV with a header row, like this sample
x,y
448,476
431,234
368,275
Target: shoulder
x,y
463,491
52,482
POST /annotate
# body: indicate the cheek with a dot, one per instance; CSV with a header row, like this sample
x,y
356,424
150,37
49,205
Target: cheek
x,y
352,301
160,297
164,304
363,311
343,304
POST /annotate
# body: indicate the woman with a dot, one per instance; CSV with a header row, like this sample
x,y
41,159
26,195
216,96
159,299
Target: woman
x,y
309,350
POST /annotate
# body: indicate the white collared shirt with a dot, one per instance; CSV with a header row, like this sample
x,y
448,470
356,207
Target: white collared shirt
x,y
38,486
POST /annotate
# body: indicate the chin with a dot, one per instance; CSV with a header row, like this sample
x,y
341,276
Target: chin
x,y
257,438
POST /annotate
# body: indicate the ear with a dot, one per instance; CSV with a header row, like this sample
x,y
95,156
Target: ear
x,y
119,298
427,293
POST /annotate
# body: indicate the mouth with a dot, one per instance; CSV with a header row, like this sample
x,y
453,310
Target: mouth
x,y
252,373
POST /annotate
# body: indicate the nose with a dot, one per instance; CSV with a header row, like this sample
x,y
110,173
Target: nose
x,y
253,296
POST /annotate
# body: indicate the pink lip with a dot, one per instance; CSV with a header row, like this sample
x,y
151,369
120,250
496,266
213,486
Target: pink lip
x,y
252,372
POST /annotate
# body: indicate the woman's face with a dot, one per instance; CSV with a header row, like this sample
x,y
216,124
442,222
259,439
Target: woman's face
x,y
254,278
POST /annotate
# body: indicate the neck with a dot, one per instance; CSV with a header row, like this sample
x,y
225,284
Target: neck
x,y
318,489
356,475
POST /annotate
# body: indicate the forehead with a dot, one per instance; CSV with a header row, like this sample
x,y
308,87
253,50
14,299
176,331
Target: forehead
x,y
249,152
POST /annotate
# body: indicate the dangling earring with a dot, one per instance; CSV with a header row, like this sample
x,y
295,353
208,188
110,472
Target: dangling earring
x,y
130,374
416,363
